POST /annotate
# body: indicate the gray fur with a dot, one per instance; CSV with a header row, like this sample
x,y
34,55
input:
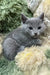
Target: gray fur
x,y
24,36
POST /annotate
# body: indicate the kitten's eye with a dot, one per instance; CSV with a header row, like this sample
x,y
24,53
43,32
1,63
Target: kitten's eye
x,y
39,27
30,28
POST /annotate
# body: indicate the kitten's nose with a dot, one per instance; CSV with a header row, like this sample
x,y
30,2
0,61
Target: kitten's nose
x,y
35,34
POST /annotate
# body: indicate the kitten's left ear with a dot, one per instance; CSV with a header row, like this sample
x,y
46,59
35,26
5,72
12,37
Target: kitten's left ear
x,y
42,16
23,18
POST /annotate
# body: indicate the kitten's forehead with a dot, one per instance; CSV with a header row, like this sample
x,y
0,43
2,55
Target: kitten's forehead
x,y
33,21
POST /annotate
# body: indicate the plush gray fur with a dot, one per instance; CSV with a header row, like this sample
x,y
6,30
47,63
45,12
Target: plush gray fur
x,y
24,36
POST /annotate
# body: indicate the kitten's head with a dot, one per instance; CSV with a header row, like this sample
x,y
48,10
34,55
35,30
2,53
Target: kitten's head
x,y
33,26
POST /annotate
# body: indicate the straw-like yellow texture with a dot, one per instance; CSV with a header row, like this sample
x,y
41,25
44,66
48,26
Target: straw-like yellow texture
x,y
31,58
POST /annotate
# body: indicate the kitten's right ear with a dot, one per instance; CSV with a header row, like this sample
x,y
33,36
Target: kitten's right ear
x,y
42,16
23,18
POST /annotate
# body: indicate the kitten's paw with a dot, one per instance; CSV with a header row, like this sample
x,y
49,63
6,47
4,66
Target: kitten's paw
x,y
39,42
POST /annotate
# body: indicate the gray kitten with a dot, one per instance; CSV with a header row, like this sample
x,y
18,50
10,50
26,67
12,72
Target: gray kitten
x,y
24,36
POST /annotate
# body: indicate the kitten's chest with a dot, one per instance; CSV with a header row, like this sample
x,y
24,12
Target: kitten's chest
x,y
22,39
26,41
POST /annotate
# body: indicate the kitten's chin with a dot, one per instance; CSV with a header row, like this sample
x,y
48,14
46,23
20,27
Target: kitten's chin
x,y
36,36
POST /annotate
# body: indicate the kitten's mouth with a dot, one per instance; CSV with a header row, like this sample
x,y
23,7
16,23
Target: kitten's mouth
x,y
35,36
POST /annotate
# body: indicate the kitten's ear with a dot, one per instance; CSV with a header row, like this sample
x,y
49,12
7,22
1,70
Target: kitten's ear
x,y
23,18
42,16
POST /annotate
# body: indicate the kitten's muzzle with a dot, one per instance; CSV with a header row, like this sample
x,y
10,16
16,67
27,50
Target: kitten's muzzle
x,y
36,35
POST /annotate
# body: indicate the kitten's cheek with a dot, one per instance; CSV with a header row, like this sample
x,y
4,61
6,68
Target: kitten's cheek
x,y
32,34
